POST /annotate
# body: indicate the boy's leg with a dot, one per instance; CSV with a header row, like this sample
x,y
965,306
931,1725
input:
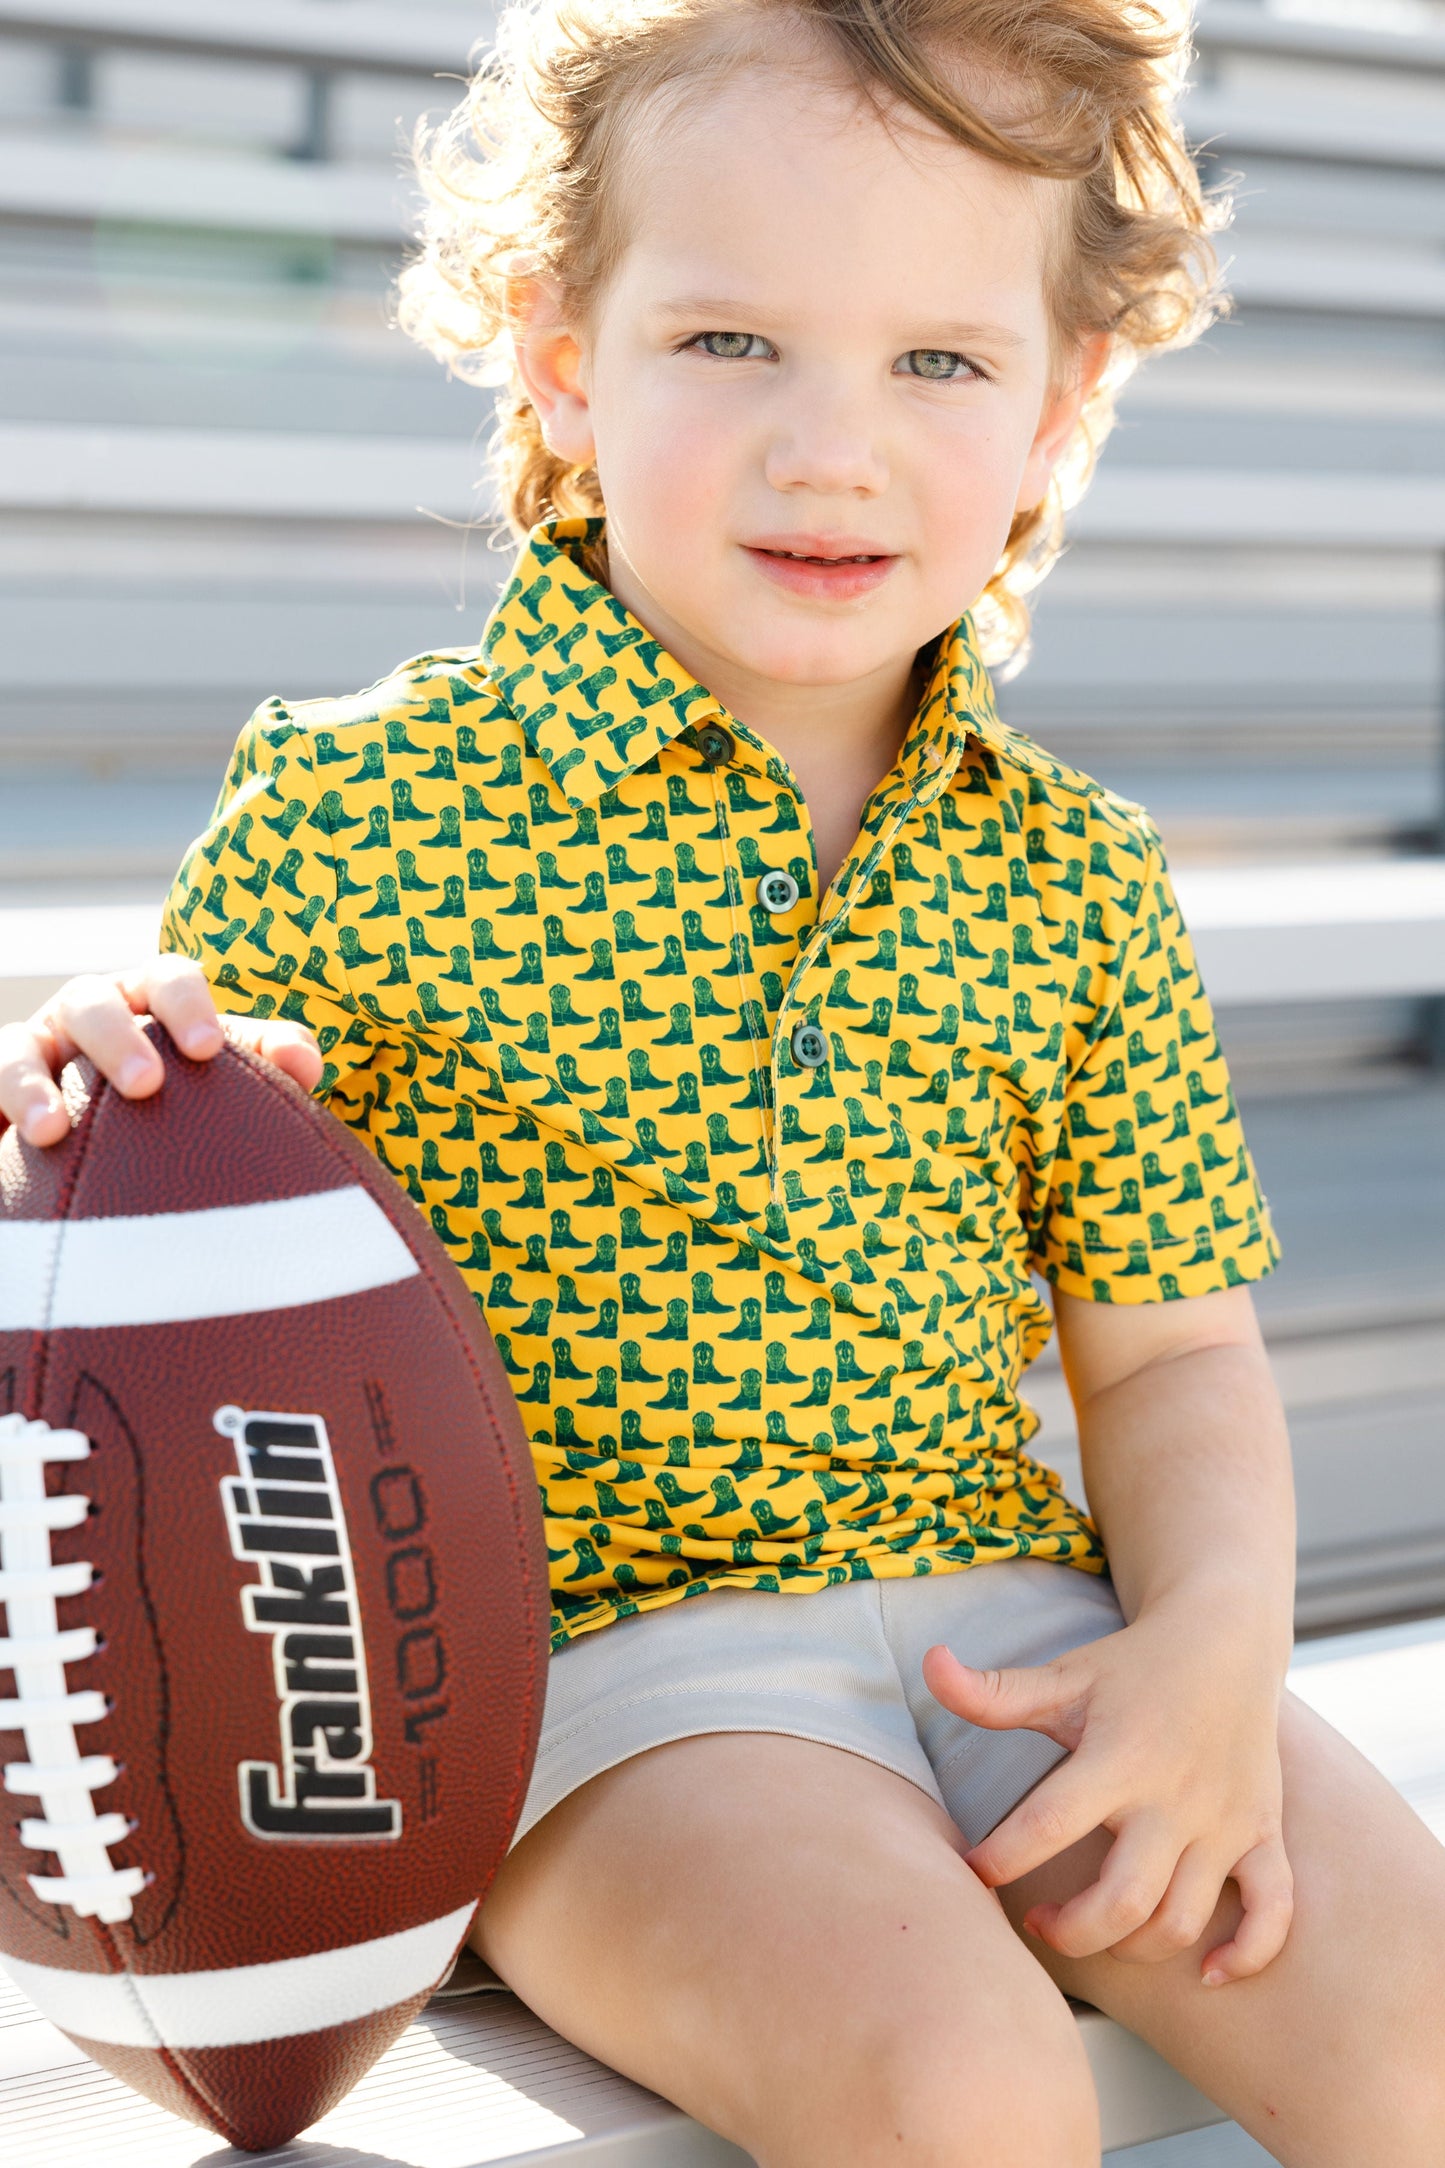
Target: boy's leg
x,y
781,1937
1334,2055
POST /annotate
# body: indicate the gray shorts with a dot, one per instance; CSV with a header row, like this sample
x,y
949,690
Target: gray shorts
x,y
842,1665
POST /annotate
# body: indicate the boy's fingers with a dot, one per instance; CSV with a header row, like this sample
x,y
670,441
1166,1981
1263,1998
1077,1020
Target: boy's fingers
x,y
177,994
99,1016
1064,1809
96,1016
28,1096
1023,1697
288,1047
1131,1885
1266,1885
1183,1913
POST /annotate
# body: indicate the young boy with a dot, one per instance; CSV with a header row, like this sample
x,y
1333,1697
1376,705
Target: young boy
x,y
752,1014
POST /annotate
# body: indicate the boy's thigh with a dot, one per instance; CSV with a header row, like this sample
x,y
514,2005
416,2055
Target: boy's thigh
x,y
1331,2057
781,1937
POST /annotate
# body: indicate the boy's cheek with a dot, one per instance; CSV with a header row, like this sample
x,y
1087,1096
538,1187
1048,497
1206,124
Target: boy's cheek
x,y
682,483
666,488
675,510
967,490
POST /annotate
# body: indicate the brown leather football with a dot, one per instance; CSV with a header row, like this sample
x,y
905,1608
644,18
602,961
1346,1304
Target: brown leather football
x,y
273,1587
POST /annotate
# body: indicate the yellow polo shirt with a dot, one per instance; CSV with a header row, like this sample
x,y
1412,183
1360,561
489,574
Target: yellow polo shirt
x,y
748,1182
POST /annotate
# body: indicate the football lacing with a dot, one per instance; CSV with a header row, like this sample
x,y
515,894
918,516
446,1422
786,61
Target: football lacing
x,y
45,1708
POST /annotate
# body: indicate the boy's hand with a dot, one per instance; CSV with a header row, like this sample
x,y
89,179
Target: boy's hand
x,y
1173,1738
98,1015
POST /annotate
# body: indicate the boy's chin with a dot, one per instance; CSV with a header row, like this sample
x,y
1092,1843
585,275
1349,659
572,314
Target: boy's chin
x,y
836,652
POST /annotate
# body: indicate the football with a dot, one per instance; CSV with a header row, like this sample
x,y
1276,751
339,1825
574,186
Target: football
x,y
273,1594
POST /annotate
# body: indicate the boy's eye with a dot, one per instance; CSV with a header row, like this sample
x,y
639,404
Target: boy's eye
x,y
731,345
936,363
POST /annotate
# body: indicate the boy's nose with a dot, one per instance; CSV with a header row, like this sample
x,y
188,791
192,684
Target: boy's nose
x,y
828,445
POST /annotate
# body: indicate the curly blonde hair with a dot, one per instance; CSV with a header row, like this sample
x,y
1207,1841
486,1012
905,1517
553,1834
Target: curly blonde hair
x,y
524,167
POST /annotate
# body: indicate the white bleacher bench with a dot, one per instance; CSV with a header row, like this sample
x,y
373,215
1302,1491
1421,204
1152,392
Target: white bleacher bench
x,y
1244,26
480,2079
363,37
80,183
43,946
237,473
1247,508
1357,276
1336,131
476,2079
1338,931
1328,932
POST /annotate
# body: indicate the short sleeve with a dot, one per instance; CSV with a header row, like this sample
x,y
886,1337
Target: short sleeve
x,y
254,901
1153,1195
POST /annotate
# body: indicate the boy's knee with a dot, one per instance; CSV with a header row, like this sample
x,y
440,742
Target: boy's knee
x,y
1028,2115
940,2100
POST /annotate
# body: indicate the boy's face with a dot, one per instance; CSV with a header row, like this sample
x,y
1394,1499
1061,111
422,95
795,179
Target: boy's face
x,y
822,338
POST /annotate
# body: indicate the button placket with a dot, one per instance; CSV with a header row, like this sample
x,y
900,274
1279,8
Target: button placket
x,y
924,794
777,891
763,1076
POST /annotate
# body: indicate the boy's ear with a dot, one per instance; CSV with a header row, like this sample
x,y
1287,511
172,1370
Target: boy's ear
x,y
1059,419
548,357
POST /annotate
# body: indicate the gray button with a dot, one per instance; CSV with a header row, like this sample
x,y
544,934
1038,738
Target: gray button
x,y
810,1047
714,744
777,891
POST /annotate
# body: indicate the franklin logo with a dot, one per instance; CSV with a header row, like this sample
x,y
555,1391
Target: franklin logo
x,y
284,1515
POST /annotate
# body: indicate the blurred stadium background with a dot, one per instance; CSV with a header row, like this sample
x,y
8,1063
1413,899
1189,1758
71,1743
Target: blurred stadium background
x,y
222,475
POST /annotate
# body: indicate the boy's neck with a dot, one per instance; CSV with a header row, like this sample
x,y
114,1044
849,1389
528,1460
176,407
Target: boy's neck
x,y
839,747
855,728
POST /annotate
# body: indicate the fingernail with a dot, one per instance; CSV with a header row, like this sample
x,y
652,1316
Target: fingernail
x,y
1030,1929
197,1037
32,1122
1215,1979
134,1070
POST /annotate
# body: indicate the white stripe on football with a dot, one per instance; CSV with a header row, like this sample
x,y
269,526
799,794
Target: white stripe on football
x,y
249,2002
172,1268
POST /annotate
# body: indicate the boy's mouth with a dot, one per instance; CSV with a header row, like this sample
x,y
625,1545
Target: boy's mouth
x,y
810,557
840,567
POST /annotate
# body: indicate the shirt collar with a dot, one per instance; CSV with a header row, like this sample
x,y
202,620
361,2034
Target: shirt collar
x,y
597,696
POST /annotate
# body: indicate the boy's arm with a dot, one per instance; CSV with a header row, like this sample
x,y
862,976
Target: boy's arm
x,y
1186,1461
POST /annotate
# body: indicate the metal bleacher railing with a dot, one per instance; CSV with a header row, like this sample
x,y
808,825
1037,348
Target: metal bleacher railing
x,y
222,476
